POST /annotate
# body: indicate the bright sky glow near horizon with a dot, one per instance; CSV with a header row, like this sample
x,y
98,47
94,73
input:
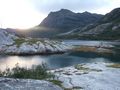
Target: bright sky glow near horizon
x,y
25,14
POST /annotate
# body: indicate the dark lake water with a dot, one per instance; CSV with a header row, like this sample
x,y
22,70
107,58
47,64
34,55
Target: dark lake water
x,y
61,60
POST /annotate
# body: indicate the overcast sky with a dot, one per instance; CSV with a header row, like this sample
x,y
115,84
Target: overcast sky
x,y
28,13
95,6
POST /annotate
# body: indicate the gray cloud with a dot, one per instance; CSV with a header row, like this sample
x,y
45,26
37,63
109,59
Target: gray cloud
x,y
74,5
45,6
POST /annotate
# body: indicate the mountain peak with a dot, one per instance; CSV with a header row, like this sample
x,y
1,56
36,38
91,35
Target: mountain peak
x,y
64,10
65,20
86,12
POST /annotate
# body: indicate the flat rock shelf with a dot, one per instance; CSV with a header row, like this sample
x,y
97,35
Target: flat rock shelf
x,y
26,84
90,76
10,44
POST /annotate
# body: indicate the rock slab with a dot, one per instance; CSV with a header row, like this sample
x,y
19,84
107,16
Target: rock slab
x,y
26,84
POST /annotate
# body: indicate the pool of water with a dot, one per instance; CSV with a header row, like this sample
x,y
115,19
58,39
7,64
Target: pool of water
x,y
58,60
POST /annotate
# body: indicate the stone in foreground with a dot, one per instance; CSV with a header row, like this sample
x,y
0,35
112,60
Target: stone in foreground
x,y
26,84
90,76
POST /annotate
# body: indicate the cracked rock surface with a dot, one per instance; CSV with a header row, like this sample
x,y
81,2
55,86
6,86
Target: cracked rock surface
x,y
26,84
90,76
12,44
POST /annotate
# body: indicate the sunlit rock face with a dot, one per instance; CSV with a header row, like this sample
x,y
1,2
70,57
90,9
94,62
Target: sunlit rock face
x,y
37,47
6,38
90,76
22,84
11,44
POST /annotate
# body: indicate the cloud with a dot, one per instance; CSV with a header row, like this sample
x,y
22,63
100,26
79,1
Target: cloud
x,y
18,14
28,13
45,6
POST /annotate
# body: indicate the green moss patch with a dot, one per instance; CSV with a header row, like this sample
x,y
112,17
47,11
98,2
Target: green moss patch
x,y
19,41
30,41
56,82
83,68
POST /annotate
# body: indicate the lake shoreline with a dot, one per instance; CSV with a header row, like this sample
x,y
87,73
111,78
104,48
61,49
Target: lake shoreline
x,y
80,76
33,54
84,76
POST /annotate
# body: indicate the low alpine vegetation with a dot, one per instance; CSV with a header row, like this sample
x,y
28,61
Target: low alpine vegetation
x,y
36,72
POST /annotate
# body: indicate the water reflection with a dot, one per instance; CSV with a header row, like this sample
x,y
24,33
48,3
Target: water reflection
x,y
10,61
58,61
53,61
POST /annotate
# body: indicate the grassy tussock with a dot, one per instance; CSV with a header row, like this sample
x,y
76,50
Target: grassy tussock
x,y
36,72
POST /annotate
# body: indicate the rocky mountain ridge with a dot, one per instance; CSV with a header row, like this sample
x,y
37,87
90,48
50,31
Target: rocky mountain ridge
x,y
108,27
62,21
66,19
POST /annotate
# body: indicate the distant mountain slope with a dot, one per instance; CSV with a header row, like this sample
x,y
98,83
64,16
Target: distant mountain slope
x,y
108,27
67,20
63,21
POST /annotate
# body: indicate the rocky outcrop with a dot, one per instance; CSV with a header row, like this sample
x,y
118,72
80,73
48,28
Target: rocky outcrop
x,y
6,38
37,47
26,84
14,45
90,76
